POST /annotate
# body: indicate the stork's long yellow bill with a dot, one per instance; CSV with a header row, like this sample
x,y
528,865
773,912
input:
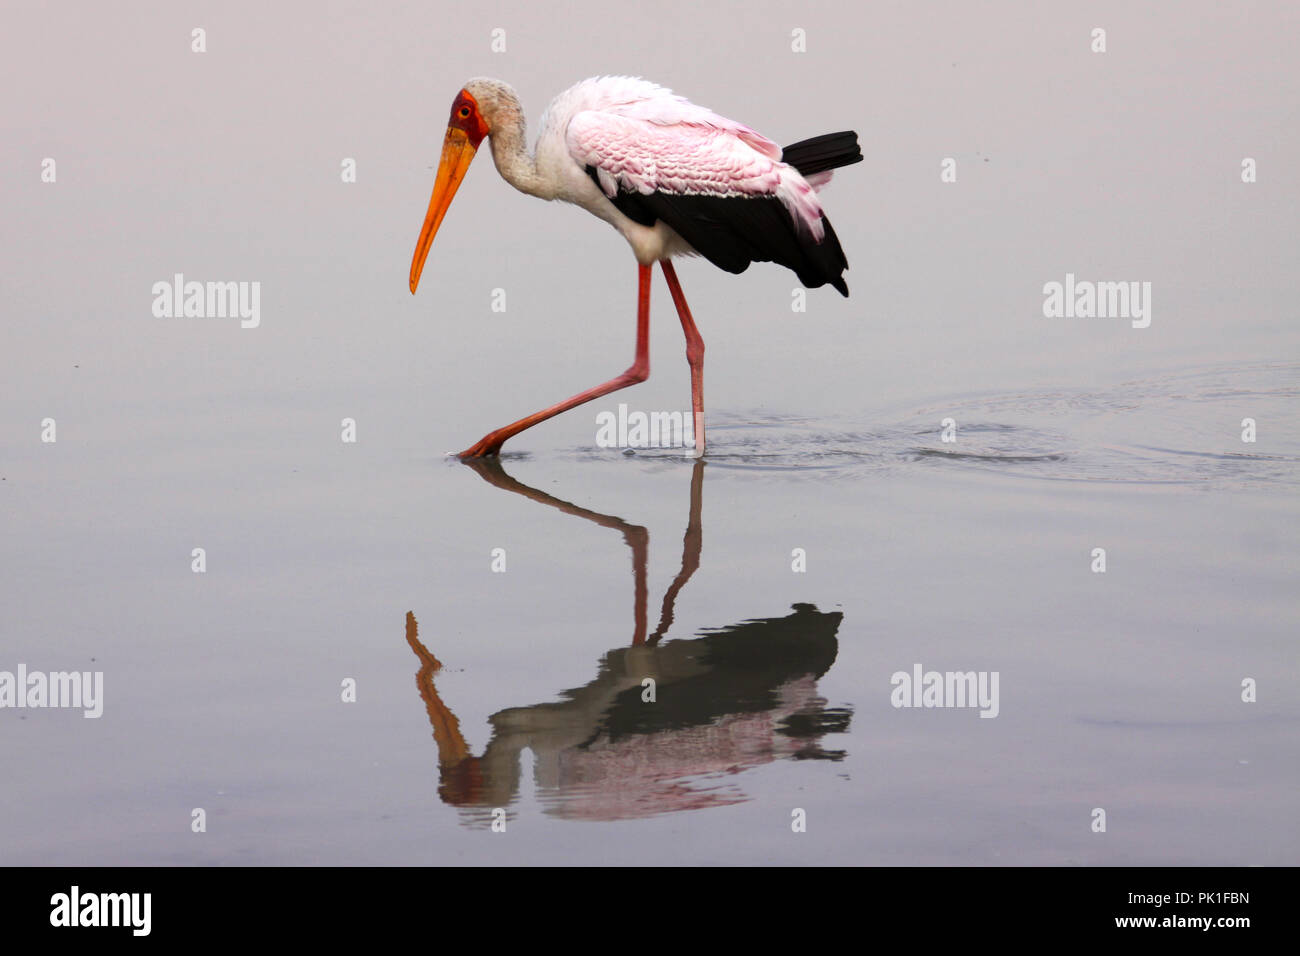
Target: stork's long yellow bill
x,y
457,154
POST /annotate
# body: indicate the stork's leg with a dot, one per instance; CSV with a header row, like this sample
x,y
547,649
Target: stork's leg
x,y
694,352
639,371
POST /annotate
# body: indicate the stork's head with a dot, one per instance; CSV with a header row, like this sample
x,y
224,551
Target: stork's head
x,y
481,103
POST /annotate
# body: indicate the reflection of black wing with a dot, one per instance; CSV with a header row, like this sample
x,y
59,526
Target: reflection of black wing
x,y
733,670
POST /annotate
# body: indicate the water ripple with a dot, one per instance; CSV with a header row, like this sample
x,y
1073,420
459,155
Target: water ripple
x,y
1181,428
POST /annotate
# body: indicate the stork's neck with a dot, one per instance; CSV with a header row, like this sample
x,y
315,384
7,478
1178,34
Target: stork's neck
x,y
517,166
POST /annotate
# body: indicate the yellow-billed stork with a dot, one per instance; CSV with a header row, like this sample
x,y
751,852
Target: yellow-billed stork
x,y
672,177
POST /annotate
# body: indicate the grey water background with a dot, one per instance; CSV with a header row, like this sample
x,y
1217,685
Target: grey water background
x,y
222,690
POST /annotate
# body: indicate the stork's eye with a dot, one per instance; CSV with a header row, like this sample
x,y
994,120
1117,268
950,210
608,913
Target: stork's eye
x,y
464,112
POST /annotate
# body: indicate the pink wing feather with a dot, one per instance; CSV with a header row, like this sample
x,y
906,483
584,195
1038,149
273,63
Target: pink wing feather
x,y
667,144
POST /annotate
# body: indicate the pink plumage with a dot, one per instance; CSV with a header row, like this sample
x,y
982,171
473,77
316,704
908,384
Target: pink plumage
x,y
673,178
644,137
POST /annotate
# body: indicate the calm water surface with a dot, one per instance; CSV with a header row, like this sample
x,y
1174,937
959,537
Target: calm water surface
x,y
522,689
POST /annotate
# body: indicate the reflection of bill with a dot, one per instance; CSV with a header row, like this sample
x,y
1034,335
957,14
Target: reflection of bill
x,y
724,701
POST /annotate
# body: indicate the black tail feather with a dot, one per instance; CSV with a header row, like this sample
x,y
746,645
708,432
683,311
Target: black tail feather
x,y
829,151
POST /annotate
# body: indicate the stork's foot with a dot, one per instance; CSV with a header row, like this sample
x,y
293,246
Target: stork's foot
x,y
489,446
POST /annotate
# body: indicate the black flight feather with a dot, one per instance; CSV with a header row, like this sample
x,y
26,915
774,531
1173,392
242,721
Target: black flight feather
x,y
733,231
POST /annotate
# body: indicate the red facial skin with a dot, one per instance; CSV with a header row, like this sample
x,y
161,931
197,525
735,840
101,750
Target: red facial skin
x,y
466,117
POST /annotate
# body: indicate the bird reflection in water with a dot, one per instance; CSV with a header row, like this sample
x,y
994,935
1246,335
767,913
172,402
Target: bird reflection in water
x,y
727,700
